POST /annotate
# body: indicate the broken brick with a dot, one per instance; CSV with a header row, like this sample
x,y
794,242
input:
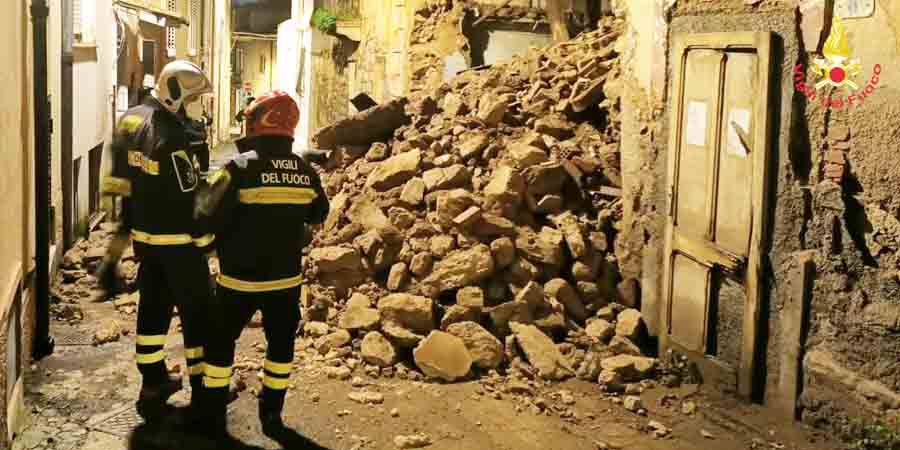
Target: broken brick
x,y
838,133
834,156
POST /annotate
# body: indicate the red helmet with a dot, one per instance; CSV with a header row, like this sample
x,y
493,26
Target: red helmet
x,y
273,114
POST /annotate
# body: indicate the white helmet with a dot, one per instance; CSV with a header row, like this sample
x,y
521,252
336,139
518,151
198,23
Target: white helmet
x,y
180,82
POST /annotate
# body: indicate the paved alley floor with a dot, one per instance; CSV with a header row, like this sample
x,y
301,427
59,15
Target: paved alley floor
x,y
82,397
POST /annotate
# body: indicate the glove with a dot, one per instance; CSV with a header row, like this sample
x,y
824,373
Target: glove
x,y
108,277
207,257
107,272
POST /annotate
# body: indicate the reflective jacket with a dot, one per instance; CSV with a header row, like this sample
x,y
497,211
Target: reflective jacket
x,y
157,173
258,206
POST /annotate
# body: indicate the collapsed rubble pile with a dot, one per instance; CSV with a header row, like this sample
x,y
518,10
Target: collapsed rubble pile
x,y
75,282
479,234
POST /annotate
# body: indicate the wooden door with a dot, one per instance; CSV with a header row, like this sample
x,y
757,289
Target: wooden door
x,y
717,174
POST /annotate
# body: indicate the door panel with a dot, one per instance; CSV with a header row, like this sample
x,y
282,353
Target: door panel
x,y
690,292
735,166
699,110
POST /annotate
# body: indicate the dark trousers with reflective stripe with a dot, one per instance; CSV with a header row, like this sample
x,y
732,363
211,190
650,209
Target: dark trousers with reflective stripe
x,y
230,313
170,276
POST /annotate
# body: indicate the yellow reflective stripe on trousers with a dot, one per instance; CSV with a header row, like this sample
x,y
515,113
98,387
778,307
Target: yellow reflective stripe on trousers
x,y
279,384
217,372
151,340
278,368
205,240
212,382
196,369
161,239
259,286
116,186
150,358
193,353
277,195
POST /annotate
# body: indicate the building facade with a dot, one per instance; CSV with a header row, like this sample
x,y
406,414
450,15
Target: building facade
x,y
17,197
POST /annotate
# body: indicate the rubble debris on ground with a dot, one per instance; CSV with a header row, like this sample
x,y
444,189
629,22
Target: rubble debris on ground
x,y
476,237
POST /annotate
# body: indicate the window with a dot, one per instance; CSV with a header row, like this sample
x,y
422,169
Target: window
x,y
196,30
84,20
79,222
170,41
95,159
172,6
149,57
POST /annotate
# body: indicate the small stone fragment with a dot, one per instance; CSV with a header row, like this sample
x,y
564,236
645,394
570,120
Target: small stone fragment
x,y
366,398
632,403
600,329
413,192
340,373
504,251
470,297
378,350
332,341
412,441
421,264
629,324
398,277
443,355
485,350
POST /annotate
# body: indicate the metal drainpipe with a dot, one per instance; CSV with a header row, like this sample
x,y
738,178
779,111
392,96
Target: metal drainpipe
x,y
43,342
66,99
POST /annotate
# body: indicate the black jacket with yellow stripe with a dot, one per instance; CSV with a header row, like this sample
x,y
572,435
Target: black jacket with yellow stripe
x,y
156,171
258,206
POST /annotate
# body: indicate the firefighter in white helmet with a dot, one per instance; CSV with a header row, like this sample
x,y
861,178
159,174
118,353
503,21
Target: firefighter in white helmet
x,y
156,174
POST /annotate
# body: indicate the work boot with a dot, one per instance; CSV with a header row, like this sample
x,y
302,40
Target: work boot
x,y
151,404
270,415
206,414
271,422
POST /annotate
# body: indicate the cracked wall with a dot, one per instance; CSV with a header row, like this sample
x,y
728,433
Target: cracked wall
x,y
853,364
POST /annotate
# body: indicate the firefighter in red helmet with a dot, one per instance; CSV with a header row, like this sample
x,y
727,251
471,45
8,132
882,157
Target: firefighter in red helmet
x,y
258,206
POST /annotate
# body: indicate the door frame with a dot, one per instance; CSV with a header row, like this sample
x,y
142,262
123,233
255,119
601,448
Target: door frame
x,y
752,270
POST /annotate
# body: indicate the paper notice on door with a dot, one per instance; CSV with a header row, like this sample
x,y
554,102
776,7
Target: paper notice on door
x,y
696,123
741,118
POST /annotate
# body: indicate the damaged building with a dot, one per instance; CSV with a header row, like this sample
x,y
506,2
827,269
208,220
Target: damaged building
x,y
753,225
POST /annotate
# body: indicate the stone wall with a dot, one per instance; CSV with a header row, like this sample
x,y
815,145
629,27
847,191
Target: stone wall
x,y
330,92
854,226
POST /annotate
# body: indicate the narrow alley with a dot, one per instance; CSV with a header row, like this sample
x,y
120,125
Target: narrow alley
x,y
573,224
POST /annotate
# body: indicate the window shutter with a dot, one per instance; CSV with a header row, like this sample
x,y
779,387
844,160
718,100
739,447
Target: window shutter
x,y
76,17
194,13
172,6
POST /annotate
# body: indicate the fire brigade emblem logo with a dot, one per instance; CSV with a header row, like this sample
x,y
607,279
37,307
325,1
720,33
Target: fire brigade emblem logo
x,y
266,120
836,68
184,171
